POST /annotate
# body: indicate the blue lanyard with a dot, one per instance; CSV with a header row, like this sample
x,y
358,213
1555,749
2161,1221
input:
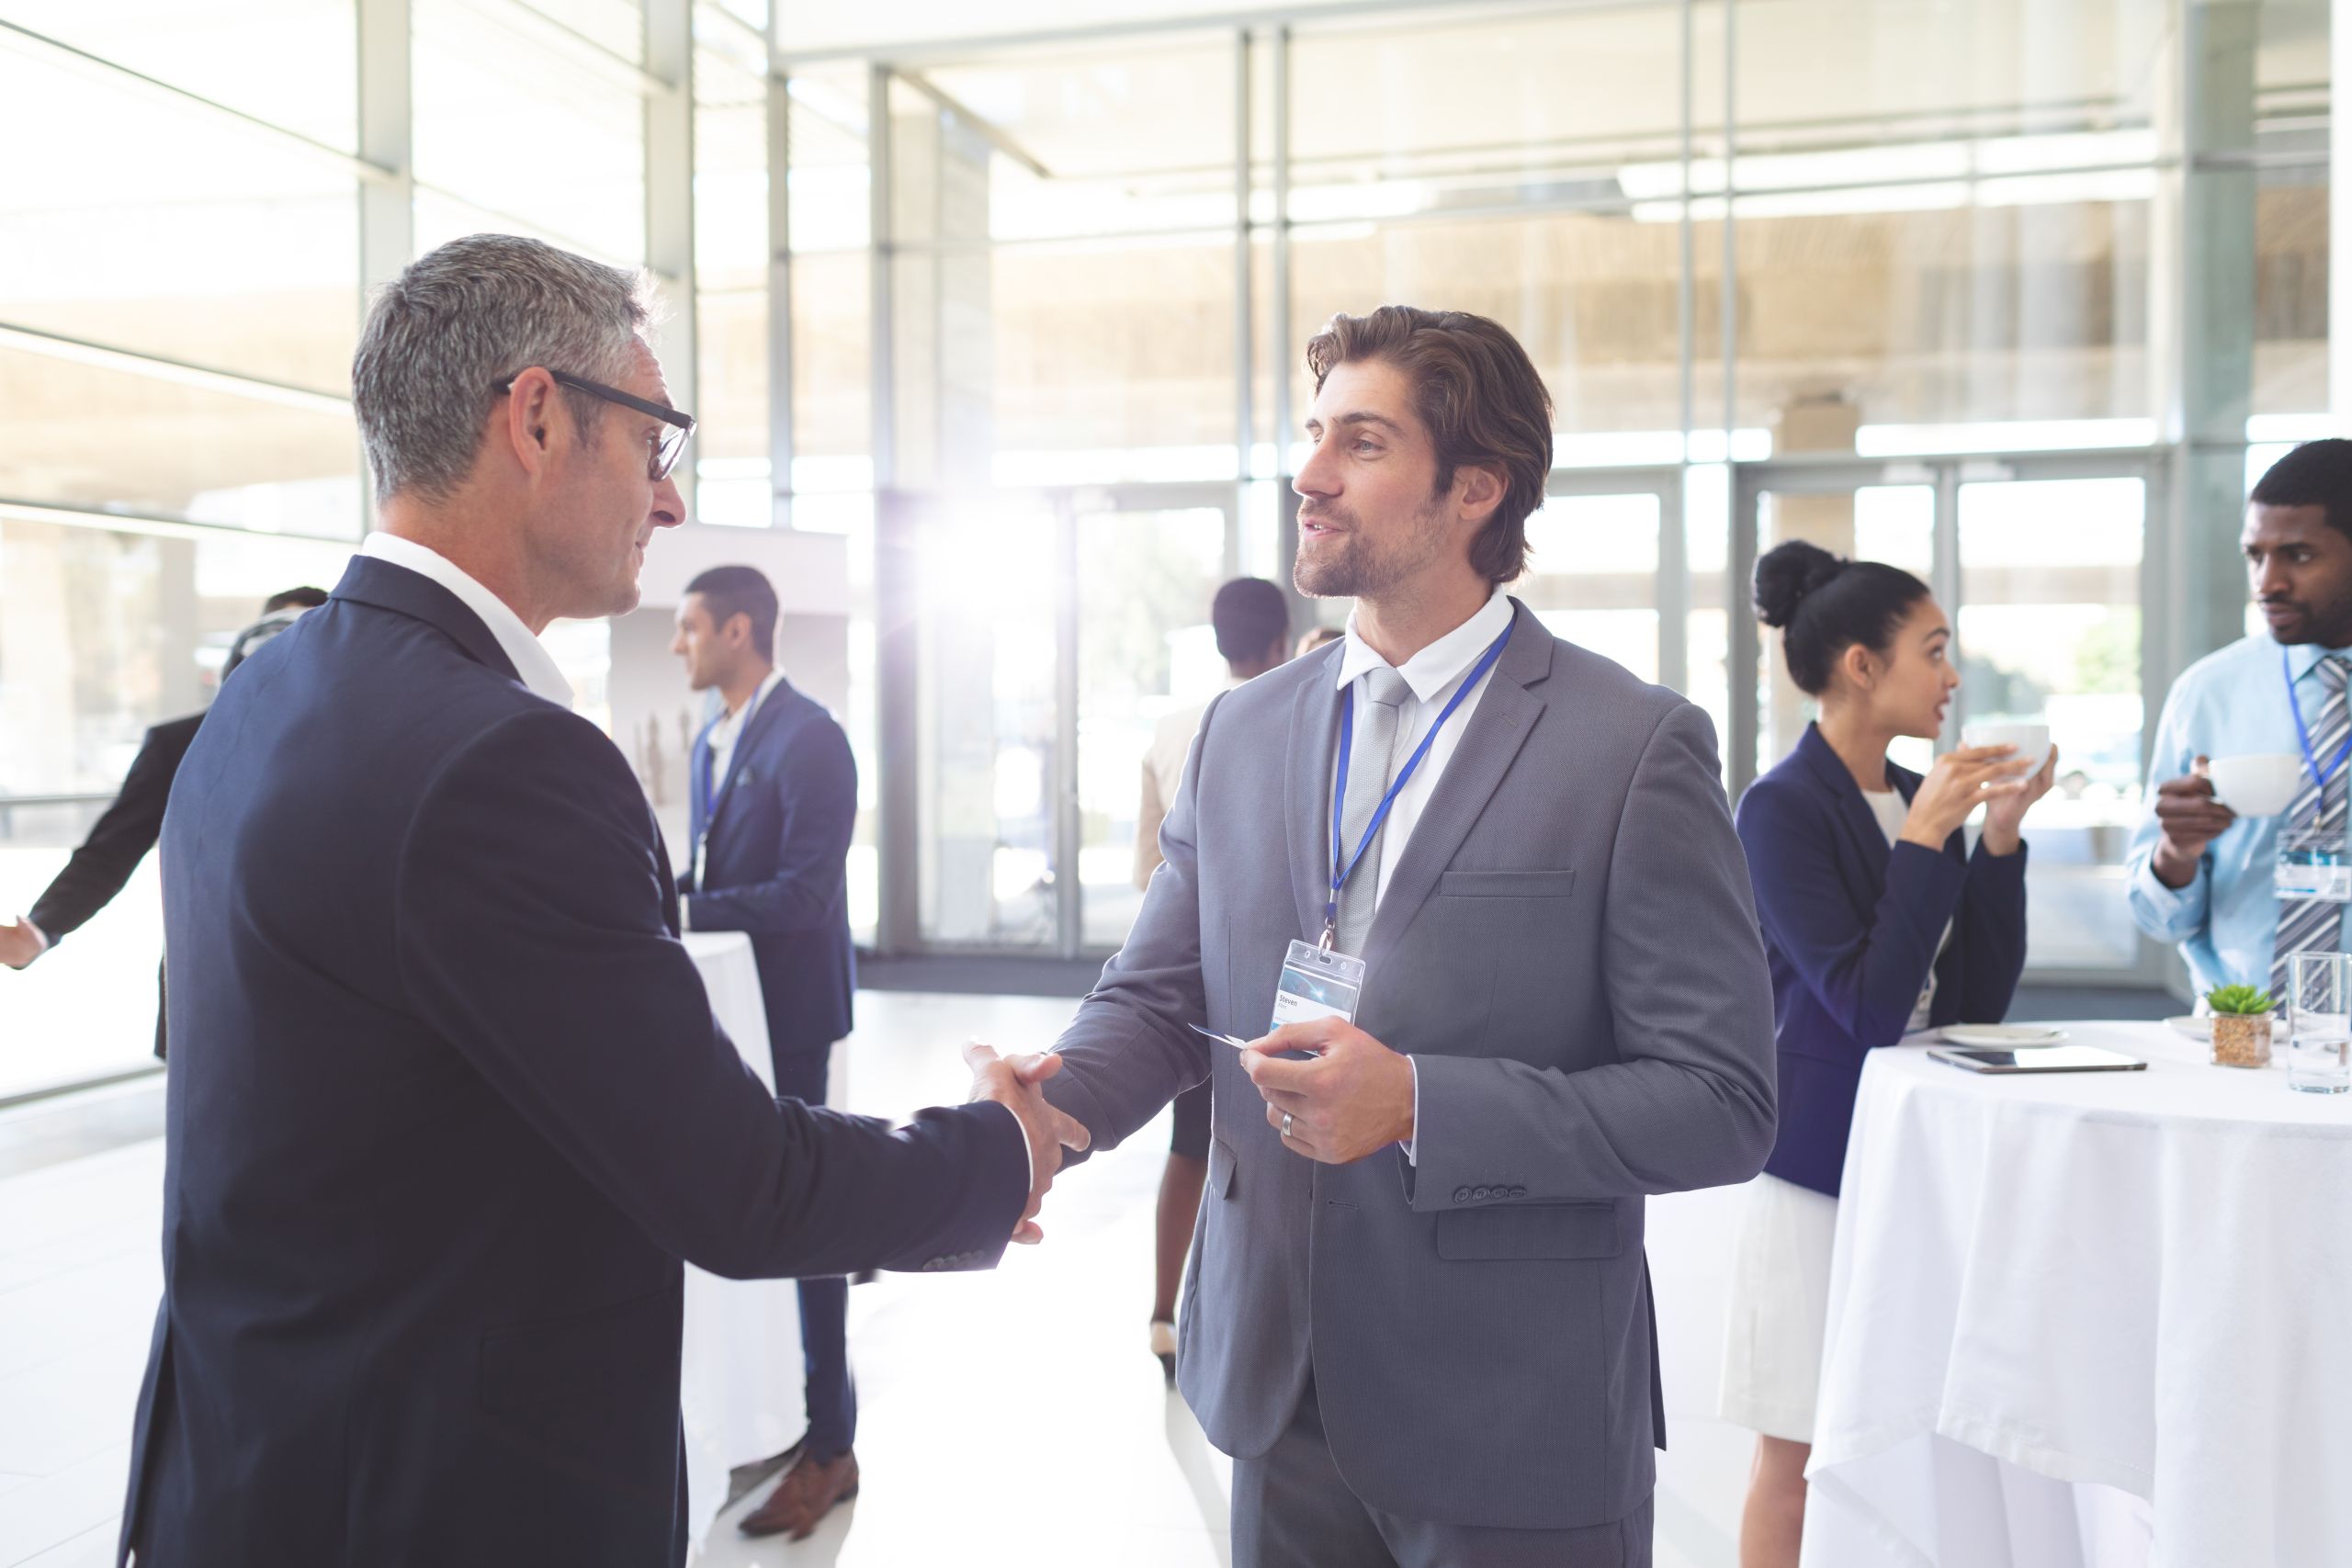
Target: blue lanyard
x,y
2303,733
1341,870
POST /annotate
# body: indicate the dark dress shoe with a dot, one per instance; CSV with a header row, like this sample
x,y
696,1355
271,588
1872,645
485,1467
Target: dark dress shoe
x,y
805,1495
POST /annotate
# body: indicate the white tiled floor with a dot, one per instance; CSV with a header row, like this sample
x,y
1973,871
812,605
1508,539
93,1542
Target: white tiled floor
x,y
1006,1417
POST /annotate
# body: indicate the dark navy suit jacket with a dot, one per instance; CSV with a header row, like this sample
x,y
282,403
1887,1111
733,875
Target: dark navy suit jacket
x,y
1851,929
774,863
447,1107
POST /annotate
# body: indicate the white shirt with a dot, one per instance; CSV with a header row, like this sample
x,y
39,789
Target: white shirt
x,y
730,729
1891,811
1432,674
531,661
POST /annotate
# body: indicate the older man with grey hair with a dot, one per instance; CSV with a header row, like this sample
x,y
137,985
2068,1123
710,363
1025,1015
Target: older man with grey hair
x,y
448,1104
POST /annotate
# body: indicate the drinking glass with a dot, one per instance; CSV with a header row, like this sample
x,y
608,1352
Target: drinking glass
x,y
2319,1022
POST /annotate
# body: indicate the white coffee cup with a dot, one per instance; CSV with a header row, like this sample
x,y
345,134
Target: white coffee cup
x,y
2257,785
2032,741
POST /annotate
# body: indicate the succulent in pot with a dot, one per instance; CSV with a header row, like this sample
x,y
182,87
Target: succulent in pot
x,y
2240,1025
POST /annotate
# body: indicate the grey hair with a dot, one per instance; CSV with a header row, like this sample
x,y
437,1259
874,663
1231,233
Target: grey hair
x,y
458,320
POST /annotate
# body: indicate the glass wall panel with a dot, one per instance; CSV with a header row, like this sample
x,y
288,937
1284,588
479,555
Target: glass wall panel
x,y
96,436
235,55
172,231
2050,631
1102,363
495,96
1451,111
2290,255
1086,142
1944,209
731,218
1592,574
105,633
1592,299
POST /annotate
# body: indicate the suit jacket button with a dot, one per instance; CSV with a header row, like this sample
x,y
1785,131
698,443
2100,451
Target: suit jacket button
x,y
1519,1191
1481,1194
1462,1195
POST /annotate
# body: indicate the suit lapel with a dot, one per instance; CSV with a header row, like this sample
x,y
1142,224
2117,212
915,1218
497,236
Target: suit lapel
x,y
756,728
1313,742
1854,813
1506,714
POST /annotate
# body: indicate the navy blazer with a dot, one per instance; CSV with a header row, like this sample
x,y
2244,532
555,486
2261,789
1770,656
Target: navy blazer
x,y
447,1107
774,863
1850,928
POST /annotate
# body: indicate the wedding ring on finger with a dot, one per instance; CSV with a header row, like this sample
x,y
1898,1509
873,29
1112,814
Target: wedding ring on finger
x,y
1286,1123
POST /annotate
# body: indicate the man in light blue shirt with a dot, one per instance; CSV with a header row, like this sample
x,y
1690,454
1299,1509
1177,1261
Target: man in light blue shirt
x,y
2197,874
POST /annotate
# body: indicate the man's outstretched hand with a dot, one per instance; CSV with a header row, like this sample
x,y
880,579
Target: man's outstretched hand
x,y
21,942
1014,1085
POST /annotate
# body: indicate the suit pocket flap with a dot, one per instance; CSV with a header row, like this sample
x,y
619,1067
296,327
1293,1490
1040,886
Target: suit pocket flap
x,y
1528,1230
1220,1169
1507,883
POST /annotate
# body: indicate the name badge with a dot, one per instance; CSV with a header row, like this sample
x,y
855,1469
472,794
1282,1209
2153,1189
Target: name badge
x,y
2313,865
1317,983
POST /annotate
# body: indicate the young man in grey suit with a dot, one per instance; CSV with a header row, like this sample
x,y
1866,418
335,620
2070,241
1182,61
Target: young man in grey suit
x,y
1420,1318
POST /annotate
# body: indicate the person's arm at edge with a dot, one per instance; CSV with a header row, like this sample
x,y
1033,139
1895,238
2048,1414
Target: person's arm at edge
x,y
553,976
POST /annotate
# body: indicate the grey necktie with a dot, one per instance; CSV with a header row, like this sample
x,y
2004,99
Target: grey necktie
x,y
2307,925
1370,757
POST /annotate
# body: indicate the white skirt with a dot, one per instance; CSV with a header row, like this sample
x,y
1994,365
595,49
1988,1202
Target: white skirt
x,y
1779,1309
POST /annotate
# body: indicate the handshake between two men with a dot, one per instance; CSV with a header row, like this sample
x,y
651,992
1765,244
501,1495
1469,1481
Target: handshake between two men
x,y
1333,1092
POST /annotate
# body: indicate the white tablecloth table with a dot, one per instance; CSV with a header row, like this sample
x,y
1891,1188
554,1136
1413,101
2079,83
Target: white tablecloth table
x,y
740,1380
2088,1319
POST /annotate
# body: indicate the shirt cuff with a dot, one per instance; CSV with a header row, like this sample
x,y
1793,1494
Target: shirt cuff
x,y
1411,1143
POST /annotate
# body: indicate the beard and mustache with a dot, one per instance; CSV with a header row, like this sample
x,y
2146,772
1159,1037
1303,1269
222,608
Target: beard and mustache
x,y
1355,564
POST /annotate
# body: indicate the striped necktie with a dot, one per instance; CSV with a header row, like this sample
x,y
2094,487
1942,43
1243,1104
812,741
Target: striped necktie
x,y
2307,925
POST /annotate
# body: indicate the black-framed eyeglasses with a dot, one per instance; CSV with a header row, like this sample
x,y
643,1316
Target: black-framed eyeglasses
x,y
674,438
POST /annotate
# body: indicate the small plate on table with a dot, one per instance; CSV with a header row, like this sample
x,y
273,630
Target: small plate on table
x,y
2002,1036
2194,1027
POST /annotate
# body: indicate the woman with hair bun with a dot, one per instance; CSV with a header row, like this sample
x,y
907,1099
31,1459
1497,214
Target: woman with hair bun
x,y
1877,921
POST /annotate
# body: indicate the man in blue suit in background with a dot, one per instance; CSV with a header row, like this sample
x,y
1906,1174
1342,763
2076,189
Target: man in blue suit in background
x,y
775,801
448,1104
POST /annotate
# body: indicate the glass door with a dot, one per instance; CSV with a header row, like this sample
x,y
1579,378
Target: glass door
x,y
1603,565
1148,561
2051,632
1053,631
988,748
2039,559
1885,515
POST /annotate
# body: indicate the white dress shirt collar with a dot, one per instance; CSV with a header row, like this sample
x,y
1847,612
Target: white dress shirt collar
x,y
1436,667
530,658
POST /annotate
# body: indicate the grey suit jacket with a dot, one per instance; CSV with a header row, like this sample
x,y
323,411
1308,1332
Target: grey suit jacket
x,y
1568,947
